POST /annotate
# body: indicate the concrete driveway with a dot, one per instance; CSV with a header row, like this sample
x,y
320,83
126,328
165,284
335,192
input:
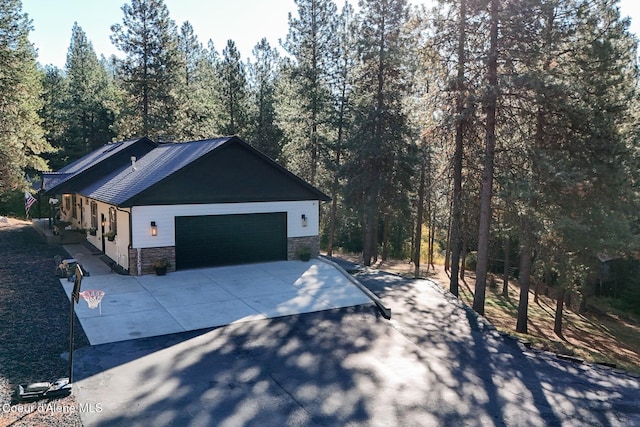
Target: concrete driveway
x,y
434,364
146,306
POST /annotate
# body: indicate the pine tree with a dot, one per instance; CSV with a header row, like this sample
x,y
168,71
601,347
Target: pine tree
x,y
89,98
53,114
489,156
21,136
379,168
233,90
264,132
311,43
342,83
150,71
198,88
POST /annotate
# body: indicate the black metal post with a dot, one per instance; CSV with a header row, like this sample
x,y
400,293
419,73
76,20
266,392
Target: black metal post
x,y
71,315
75,295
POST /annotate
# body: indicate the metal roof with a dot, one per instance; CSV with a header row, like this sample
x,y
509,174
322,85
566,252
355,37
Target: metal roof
x,y
158,164
54,179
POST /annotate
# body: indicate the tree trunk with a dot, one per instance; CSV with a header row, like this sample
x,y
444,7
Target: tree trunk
x,y
525,279
557,328
507,266
336,182
463,259
456,217
487,178
370,241
447,252
385,237
432,236
418,235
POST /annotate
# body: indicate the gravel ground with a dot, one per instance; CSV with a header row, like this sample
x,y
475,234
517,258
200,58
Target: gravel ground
x,y
32,344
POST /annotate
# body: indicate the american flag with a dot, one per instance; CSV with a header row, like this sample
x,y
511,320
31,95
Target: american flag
x,y
29,200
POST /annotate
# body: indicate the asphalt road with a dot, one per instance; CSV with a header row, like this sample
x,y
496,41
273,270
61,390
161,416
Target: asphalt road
x,y
435,363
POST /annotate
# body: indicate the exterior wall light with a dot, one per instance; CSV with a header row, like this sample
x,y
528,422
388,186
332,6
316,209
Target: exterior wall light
x,y
304,220
154,228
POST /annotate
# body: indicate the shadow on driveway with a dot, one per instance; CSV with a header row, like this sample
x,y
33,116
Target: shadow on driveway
x,y
434,363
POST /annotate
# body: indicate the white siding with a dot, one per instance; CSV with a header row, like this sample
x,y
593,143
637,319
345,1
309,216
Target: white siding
x,y
164,217
118,249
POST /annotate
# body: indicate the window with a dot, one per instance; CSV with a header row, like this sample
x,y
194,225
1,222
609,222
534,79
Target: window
x,y
74,207
113,225
94,215
67,202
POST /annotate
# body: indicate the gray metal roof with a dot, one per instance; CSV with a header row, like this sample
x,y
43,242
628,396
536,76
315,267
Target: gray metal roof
x,y
158,164
54,179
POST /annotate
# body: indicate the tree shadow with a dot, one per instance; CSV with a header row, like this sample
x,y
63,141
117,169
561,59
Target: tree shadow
x,y
435,363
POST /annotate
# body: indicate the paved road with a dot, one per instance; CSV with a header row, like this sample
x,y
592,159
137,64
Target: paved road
x,y
435,363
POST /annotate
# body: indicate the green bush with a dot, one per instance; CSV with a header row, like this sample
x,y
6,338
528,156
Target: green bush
x,y
471,261
12,204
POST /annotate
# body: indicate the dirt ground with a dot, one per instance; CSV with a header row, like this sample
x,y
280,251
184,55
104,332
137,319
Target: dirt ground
x,y
596,337
32,344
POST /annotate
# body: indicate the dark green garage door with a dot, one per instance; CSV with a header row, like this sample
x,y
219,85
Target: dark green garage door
x,y
213,240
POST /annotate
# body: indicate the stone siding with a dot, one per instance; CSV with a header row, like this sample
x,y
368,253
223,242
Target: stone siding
x,y
296,243
149,256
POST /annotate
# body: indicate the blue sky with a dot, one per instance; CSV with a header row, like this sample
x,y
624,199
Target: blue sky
x,y
243,21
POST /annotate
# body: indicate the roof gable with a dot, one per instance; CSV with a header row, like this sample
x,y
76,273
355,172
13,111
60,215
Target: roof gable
x,y
223,170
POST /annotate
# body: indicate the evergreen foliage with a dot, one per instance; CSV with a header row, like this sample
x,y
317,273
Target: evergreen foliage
x,y
311,42
233,90
89,100
395,111
264,73
21,136
150,71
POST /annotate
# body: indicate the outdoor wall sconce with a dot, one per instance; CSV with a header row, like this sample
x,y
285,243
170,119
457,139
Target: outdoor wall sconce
x,y
154,228
304,220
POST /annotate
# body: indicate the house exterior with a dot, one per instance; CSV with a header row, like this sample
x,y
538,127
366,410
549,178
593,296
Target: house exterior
x,y
196,204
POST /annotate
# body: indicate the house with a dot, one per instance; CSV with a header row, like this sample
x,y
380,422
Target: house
x,y
196,204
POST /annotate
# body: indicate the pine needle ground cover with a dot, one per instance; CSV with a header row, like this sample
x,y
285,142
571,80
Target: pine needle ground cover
x,y
34,314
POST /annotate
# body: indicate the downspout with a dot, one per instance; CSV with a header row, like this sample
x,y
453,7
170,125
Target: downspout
x,y
130,240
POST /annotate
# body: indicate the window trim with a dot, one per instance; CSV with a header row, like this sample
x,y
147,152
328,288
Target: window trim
x,y
94,215
113,220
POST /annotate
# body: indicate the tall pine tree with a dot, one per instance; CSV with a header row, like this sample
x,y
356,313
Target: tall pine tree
x,y
89,99
21,136
378,166
233,80
150,71
264,132
311,43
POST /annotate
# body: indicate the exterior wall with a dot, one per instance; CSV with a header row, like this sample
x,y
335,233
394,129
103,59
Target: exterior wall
x,y
117,249
294,244
147,256
300,234
164,217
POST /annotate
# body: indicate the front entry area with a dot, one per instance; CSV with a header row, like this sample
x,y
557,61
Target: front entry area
x,y
217,240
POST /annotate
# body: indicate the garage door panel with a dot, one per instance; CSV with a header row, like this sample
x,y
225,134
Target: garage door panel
x,y
213,240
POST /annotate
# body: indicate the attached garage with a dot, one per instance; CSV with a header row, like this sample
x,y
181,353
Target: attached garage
x,y
195,204
215,240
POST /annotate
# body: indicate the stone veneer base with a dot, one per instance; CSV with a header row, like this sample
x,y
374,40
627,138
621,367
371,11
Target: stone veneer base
x,y
149,255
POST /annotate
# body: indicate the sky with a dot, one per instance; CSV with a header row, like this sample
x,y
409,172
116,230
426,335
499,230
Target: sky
x,y
243,21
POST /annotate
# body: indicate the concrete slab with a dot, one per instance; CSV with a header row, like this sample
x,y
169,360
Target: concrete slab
x,y
337,296
255,287
211,314
146,306
286,304
190,295
126,326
